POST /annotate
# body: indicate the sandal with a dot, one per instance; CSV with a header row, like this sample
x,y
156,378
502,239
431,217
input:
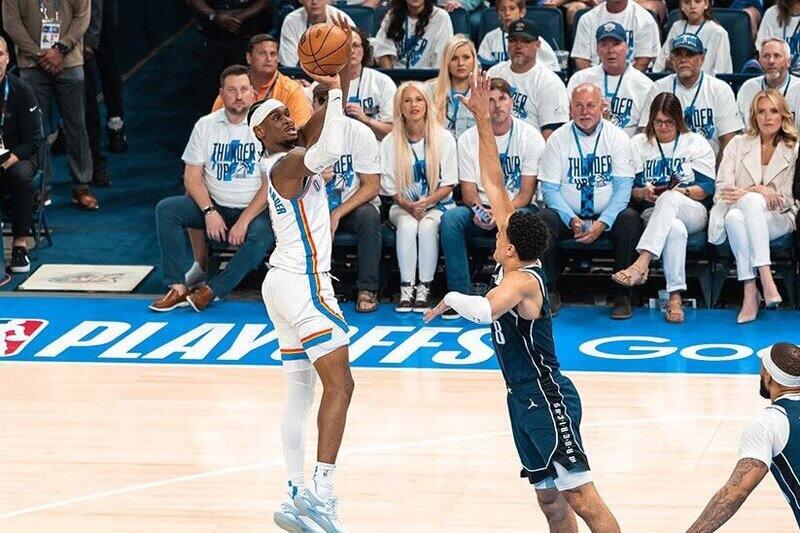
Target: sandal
x,y
367,302
674,314
631,276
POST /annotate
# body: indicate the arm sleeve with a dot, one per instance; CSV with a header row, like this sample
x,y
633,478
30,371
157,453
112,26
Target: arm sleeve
x,y
583,40
474,308
31,134
388,186
555,201
366,158
532,154
449,166
556,104
12,23
287,56
651,95
467,170
80,22
726,173
92,36
326,151
765,436
386,97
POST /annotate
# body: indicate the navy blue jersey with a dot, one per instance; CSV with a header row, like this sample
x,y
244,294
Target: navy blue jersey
x,y
786,465
525,348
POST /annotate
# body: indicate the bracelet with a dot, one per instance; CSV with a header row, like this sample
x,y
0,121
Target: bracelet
x,y
208,209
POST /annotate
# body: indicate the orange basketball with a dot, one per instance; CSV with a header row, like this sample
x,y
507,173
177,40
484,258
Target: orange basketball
x,y
323,49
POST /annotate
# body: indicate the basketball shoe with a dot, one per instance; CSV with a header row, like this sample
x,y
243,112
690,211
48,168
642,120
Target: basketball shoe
x,y
323,512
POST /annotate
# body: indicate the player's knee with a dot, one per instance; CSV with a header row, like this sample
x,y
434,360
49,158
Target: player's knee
x,y
553,505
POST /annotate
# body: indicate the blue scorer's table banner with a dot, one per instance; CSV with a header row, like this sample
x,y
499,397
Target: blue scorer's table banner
x,y
238,333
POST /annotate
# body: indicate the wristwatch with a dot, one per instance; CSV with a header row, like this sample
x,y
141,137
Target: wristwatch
x,y
208,209
63,48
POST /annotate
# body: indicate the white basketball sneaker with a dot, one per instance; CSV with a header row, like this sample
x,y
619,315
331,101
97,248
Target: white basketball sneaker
x,y
323,512
289,518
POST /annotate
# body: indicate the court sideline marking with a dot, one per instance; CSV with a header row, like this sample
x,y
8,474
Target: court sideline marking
x,y
278,461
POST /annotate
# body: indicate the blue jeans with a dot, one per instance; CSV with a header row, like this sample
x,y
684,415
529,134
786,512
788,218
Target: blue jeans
x,y
174,215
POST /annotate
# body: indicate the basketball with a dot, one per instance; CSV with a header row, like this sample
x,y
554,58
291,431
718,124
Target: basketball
x,y
323,49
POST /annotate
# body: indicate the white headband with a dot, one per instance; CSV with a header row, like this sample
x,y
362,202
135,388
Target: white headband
x,y
263,110
780,377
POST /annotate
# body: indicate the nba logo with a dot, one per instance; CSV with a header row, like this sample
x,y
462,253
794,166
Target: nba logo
x,y
16,333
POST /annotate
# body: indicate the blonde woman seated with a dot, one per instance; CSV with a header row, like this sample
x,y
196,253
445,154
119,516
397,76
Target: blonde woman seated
x,y
753,204
459,60
674,176
419,168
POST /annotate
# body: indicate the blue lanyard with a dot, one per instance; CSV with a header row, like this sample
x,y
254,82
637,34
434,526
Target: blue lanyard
x,y
43,8
454,102
358,88
503,40
796,28
674,147
700,84
407,38
5,105
411,145
785,87
686,23
508,142
599,131
605,85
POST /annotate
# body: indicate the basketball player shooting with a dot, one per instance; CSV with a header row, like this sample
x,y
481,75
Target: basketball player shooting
x,y
543,404
299,297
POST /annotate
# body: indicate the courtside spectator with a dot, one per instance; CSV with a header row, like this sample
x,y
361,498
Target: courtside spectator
x,y
494,46
371,93
640,27
520,147
774,61
412,35
540,97
22,139
353,185
268,82
753,203
675,171
55,73
586,176
709,106
782,21
225,197
419,167
298,21
459,62
696,18
624,88
226,27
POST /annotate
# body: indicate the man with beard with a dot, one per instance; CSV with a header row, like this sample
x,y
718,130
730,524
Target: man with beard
x,y
770,442
774,60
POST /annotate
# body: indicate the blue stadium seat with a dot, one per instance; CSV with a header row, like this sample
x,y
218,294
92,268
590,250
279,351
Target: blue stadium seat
x,y
364,17
737,24
460,19
550,22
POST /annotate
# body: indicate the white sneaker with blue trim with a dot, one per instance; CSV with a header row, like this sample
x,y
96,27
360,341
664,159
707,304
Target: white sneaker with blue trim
x,y
323,512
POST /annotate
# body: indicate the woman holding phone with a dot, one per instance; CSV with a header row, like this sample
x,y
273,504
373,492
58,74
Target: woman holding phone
x,y
674,179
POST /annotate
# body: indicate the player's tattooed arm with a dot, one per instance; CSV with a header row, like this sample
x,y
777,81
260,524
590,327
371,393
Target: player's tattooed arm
x,y
746,477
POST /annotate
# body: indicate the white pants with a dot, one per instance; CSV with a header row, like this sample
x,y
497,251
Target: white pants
x,y
750,227
416,241
674,217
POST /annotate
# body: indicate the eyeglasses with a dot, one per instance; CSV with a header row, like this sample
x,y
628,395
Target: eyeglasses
x,y
658,123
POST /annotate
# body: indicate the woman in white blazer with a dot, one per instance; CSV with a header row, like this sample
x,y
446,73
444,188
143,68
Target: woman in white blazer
x,y
753,203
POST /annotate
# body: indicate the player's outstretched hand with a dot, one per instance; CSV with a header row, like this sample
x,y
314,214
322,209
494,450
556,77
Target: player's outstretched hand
x,y
432,313
478,100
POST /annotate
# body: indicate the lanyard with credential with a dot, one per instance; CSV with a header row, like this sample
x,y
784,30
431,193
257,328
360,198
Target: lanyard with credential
x,y
686,24
3,110
589,163
503,38
43,8
504,153
407,38
605,85
785,87
796,28
454,103
674,147
699,85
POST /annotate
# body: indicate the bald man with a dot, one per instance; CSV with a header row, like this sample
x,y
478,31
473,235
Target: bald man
x,y
770,442
586,176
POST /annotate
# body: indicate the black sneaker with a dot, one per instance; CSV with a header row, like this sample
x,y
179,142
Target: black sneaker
x,y
19,260
117,142
450,314
100,176
422,301
406,303
555,303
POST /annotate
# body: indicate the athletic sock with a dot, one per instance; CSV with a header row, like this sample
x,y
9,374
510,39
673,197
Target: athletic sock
x,y
297,483
323,480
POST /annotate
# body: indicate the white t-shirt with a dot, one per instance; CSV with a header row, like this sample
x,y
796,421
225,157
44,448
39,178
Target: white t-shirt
x,y
715,113
375,92
790,90
642,29
494,49
229,154
360,154
448,166
416,52
691,153
625,97
715,40
520,153
540,97
565,164
770,29
767,434
457,118
294,26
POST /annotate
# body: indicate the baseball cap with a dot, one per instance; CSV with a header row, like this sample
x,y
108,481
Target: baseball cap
x,y
523,28
611,30
688,41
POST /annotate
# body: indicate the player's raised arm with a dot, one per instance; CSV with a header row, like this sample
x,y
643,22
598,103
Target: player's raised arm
x,y
491,172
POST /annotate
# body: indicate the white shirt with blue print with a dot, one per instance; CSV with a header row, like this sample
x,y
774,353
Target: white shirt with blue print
x,y
416,51
709,106
624,94
448,167
790,91
294,26
644,39
360,154
689,156
540,97
589,180
374,91
771,29
457,118
715,40
229,155
494,49
520,153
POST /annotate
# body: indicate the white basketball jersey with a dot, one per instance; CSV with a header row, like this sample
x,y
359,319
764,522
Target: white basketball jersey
x,y
302,225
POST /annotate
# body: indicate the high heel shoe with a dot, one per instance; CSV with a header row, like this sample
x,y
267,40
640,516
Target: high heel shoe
x,y
773,304
743,319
